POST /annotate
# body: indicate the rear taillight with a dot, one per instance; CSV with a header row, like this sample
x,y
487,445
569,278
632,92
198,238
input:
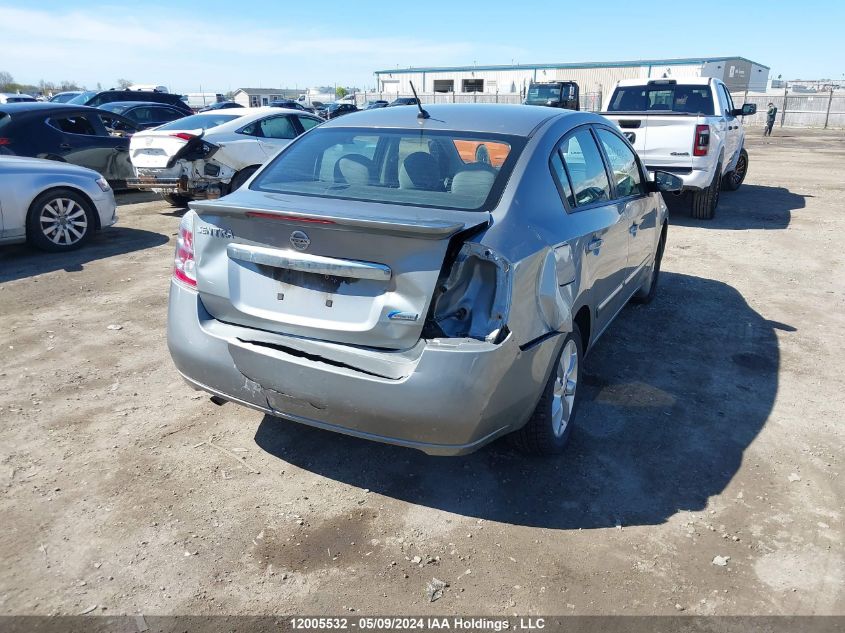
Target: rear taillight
x,y
5,141
184,136
701,144
184,267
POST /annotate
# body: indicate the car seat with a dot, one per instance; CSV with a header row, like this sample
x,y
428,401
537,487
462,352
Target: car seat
x,y
354,169
420,171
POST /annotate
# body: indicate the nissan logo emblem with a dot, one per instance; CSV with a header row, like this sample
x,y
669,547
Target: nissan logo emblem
x,y
299,240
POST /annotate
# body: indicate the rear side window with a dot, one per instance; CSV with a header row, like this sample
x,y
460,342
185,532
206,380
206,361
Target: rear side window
x,y
73,125
585,167
276,127
663,98
165,114
562,179
623,165
307,122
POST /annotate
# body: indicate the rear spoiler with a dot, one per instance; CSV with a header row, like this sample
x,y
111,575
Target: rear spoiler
x,y
426,229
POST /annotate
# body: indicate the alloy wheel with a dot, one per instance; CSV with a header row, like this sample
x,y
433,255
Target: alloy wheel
x,y
566,383
739,171
63,221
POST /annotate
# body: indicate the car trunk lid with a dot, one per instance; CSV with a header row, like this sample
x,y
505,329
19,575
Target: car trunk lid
x,y
342,271
155,150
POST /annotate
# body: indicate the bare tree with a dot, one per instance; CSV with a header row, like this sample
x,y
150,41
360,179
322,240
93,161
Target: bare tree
x,y
5,79
124,84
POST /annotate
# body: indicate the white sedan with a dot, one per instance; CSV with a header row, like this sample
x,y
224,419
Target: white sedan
x,y
54,206
208,155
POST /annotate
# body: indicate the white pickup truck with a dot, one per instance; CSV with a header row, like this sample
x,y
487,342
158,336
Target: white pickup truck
x,y
687,127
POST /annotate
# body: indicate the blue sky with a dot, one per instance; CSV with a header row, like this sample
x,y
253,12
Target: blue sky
x,y
222,45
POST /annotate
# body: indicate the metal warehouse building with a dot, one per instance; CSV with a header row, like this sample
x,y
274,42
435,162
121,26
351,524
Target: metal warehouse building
x,y
594,78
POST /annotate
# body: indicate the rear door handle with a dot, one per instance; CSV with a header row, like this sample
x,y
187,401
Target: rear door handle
x,y
594,244
65,146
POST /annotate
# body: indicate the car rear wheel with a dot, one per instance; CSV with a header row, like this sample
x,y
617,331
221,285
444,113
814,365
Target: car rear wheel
x,y
175,200
548,429
241,177
647,291
60,220
734,179
704,202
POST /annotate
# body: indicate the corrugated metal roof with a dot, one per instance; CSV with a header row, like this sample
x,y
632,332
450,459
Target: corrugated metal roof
x,y
636,62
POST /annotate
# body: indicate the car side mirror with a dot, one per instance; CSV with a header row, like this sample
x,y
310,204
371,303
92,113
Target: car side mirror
x,y
665,182
746,110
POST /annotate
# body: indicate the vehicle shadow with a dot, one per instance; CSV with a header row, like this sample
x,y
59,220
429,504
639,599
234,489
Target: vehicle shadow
x,y
21,261
135,196
674,394
749,207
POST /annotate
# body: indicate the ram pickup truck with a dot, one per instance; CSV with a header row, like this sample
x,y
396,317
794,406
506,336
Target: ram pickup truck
x,y
688,127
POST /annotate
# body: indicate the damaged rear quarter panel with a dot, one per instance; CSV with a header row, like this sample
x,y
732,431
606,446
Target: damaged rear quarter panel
x,y
528,226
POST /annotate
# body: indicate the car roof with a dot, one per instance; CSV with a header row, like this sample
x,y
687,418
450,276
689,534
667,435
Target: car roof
x,y
44,106
681,81
493,118
132,104
248,115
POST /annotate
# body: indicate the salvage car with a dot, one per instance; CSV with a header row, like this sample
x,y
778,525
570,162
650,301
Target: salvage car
x,y
54,206
384,277
184,163
80,135
95,99
144,114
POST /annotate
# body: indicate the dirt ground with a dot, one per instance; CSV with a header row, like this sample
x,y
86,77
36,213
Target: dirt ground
x,y
712,426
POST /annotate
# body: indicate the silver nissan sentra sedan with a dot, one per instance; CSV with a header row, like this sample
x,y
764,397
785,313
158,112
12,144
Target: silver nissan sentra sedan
x,y
428,278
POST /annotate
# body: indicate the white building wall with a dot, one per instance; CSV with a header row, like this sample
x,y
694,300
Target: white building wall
x,y
593,79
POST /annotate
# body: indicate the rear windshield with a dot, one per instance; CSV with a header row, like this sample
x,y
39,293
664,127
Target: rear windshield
x,y
446,170
662,98
203,121
82,98
116,106
5,119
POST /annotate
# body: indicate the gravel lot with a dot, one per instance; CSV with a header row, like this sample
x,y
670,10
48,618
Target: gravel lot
x,y
712,427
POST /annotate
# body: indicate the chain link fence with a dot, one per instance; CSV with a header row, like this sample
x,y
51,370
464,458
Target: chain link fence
x,y
819,110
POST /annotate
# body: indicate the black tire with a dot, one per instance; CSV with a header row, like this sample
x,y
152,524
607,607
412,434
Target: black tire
x,y
704,202
241,177
647,291
175,200
734,179
541,435
60,220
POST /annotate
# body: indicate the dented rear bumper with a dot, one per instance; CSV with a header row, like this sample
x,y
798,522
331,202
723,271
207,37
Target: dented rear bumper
x,y
443,396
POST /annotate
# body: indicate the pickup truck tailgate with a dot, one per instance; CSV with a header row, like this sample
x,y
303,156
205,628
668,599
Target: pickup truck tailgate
x,y
660,140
